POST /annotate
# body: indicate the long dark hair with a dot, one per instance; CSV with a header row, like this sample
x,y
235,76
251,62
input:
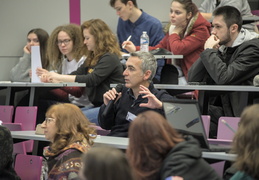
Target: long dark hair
x,y
43,37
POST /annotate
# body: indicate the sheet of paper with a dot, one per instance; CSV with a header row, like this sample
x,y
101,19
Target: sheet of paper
x,y
35,63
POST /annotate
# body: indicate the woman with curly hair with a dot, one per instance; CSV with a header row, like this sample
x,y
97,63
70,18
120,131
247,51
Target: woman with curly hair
x,y
101,68
66,53
246,145
71,135
65,48
157,151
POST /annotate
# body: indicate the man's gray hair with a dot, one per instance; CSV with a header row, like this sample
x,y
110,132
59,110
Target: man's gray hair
x,y
148,62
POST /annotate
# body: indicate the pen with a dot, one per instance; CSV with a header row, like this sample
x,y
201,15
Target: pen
x,y
225,122
126,40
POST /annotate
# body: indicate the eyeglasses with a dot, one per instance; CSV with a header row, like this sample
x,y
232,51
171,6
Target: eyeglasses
x,y
49,120
65,42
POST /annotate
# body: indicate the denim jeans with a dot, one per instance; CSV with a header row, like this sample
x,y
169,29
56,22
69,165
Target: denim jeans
x,y
91,114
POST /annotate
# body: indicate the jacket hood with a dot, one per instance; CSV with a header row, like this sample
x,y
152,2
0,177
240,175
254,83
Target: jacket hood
x,y
201,21
243,36
184,153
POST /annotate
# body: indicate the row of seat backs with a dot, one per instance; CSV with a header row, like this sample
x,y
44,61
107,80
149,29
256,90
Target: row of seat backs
x,y
6,113
28,167
22,114
225,130
24,120
25,117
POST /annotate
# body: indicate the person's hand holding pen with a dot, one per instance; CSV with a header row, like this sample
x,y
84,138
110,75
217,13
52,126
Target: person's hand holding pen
x,y
128,45
126,40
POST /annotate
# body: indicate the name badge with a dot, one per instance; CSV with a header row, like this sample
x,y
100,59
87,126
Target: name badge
x,y
130,116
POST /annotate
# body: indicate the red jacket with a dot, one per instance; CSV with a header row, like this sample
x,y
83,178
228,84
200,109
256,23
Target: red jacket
x,y
190,46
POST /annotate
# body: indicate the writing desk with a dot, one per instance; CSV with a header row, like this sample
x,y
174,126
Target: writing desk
x,y
204,92
8,86
117,142
250,19
205,87
209,87
34,87
166,56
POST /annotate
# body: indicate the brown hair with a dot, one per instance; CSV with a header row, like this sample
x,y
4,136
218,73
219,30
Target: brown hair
x,y
231,15
190,7
246,142
151,137
112,2
43,37
105,41
72,126
111,161
54,54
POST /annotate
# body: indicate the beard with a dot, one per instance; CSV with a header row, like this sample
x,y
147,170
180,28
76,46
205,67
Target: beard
x,y
226,39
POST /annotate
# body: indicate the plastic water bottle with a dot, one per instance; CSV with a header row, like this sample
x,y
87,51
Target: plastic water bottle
x,y
144,42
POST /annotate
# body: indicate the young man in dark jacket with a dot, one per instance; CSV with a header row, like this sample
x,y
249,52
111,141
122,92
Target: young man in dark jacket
x,y
137,95
230,58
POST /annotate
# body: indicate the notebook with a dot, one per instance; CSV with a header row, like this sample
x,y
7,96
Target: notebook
x,y
184,115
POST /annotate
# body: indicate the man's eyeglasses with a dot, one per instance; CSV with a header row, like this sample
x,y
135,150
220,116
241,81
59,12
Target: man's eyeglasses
x,y
49,120
65,42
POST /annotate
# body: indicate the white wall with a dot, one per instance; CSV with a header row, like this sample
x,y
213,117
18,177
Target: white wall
x,y
17,17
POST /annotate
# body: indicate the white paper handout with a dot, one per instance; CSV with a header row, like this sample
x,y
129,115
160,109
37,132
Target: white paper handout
x,y
35,63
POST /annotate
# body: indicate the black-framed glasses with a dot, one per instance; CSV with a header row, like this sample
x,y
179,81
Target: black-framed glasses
x,y
49,120
65,42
